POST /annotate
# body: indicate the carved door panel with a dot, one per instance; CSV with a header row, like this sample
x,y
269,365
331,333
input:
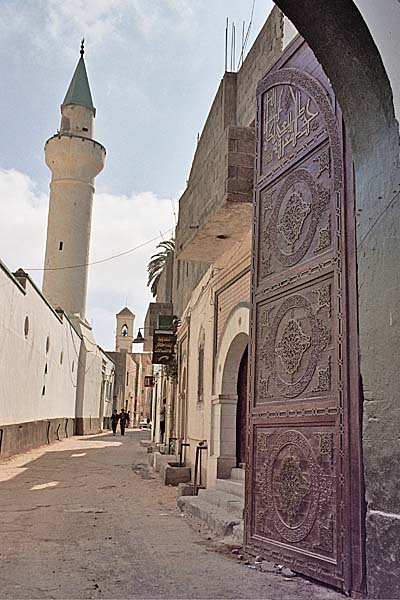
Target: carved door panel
x,y
302,509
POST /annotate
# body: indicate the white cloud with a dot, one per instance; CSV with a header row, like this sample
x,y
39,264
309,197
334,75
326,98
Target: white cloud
x,y
104,22
119,223
23,222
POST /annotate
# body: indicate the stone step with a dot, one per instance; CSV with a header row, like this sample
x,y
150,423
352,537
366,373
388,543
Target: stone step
x,y
215,518
231,504
231,486
238,474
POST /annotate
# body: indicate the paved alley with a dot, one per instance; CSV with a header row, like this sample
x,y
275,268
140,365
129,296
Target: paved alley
x,y
84,518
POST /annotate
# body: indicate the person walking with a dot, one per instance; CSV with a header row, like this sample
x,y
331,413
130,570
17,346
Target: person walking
x,y
122,420
114,421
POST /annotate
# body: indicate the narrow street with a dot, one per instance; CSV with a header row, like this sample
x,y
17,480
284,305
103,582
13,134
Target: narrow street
x,y
84,518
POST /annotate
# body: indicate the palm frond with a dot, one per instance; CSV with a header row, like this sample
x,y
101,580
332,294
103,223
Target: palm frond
x,y
157,263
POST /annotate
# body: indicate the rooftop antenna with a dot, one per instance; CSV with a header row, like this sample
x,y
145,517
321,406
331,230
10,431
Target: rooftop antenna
x,y
249,28
82,47
234,45
226,44
233,48
241,53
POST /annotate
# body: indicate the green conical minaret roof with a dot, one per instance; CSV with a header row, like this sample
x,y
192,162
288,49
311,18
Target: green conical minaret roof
x,y
79,89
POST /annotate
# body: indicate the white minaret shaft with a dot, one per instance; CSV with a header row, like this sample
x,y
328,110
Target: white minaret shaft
x,y
74,159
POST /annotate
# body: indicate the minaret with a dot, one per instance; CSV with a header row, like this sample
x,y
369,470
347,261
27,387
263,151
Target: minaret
x,y
74,158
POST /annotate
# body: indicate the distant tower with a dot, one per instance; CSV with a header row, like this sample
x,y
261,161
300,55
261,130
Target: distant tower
x,y
124,336
74,159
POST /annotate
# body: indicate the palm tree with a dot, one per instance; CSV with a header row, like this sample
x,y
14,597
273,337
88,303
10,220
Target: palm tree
x,y
157,263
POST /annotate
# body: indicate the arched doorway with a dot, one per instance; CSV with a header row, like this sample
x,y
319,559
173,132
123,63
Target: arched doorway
x,y
227,416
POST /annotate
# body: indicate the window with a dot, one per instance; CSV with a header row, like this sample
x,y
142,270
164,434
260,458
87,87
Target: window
x,y
45,369
73,366
124,330
60,246
47,344
127,377
61,357
43,390
26,327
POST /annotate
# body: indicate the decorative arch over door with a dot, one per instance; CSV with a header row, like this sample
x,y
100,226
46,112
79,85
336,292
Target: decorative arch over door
x,y
304,484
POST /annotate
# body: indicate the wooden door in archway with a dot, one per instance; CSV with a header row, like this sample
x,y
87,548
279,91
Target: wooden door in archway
x,y
241,412
304,477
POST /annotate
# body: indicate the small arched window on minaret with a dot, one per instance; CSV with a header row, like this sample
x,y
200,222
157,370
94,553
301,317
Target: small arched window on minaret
x,y
124,330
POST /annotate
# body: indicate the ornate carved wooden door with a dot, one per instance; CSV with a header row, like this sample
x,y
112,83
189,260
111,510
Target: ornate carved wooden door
x,y
304,482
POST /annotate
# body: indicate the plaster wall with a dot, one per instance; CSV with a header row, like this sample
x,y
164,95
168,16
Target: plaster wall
x,y
51,342
94,368
205,420
382,19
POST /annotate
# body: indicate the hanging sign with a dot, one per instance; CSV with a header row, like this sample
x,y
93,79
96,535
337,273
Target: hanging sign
x,y
163,347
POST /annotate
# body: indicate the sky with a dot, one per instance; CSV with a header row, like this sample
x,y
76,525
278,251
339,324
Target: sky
x,y
154,67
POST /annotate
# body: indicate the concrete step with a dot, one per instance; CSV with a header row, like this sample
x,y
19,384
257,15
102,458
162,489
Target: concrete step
x,y
238,474
231,486
231,504
215,518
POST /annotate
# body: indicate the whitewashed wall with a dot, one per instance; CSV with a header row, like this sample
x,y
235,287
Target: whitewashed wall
x,y
51,340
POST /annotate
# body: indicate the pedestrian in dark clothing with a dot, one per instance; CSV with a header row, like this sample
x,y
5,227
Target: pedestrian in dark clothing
x,y
114,421
122,420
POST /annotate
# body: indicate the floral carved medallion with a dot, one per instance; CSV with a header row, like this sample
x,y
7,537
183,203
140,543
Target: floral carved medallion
x,y
292,487
292,346
292,490
293,217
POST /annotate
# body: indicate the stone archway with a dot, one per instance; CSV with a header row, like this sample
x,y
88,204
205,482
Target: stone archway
x,y
233,343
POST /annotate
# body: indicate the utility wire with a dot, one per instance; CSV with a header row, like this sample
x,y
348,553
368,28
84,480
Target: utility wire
x,y
96,262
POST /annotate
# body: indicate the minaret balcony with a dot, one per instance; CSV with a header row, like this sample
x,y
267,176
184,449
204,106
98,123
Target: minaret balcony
x,y
74,156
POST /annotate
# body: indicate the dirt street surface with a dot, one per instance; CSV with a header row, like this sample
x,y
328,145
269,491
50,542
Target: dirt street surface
x,y
84,518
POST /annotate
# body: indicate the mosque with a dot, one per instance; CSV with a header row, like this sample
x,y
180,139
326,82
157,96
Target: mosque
x,y
56,380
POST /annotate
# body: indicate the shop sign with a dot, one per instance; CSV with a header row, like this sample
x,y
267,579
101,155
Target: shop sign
x,y
163,347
